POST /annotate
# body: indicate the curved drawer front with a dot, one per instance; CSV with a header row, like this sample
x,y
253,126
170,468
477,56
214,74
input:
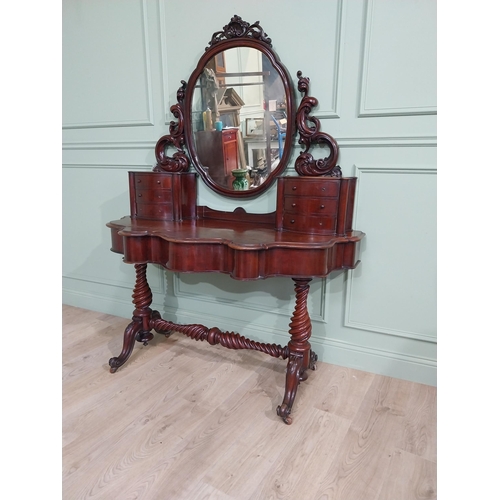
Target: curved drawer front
x,y
154,210
312,187
152,181
313,206
318,205
153,196
309,223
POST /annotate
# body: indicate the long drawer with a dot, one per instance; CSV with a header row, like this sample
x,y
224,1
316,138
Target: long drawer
x,y
154,210
309,223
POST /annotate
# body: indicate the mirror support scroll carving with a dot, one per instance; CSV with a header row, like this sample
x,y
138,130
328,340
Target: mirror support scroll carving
x,y
305,164
180,161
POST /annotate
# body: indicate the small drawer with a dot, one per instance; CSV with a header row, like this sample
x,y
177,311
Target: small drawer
x,y
152,180
315,187
153,196
309,224
306,205
228,135
155,211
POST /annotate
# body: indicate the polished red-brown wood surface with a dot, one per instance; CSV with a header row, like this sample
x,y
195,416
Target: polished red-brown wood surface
x,y
242,249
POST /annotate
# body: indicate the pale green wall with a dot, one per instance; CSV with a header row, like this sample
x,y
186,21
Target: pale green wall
x,y
372,66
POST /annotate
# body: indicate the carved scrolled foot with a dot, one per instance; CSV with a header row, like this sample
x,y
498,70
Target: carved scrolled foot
x,y
292,383
114,364
129,336
284,412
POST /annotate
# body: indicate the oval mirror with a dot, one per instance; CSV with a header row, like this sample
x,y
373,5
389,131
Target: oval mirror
x,y
240,116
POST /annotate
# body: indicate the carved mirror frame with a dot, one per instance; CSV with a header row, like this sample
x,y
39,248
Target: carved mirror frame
x,y
239,33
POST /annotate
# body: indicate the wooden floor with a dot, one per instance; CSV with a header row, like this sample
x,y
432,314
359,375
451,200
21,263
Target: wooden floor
x,y
186,420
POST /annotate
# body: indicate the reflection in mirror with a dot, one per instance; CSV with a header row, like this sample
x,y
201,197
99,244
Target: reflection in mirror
x,y
238,114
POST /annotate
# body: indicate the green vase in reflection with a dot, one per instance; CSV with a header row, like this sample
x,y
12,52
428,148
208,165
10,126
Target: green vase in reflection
x,y
240,182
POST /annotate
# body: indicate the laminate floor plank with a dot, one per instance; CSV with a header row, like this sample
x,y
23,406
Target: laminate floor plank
x,y
212,434
95,373
344,392
363,459
420,422
142,395
265,446
212,439
186,420
148,393
302,460
410,477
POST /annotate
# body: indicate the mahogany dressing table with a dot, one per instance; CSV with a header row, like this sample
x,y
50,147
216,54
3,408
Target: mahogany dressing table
x,y
308,236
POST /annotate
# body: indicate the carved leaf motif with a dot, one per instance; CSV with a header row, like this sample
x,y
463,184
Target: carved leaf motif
x,y
179,162
310,134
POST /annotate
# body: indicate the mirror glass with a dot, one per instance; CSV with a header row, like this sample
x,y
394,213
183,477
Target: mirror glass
x,y
239,118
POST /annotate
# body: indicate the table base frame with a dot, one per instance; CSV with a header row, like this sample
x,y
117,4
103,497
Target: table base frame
x,y
298,350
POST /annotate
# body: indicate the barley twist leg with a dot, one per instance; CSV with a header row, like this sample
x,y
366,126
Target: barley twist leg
x,y
139,329
300,358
